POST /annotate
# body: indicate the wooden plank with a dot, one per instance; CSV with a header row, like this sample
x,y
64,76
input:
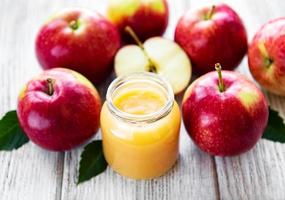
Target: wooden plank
x,y
260,173
29,172
193,177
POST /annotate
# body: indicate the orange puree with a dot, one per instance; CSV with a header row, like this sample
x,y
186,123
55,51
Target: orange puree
x,y
139,102
140,150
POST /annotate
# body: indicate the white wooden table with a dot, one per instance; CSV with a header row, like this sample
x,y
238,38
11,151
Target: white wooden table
x,y
32,173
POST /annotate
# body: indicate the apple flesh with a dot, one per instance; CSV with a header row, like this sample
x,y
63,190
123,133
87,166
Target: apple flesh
x,y
59,109
224,122
210,35
157,55
148,18
266,56
81,40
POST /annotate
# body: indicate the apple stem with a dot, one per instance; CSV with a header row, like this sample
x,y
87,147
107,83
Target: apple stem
x,y
221,82
74,24
50,86
210,13
129,30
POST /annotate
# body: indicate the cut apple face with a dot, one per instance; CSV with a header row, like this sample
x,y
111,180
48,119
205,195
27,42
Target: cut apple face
x,y
157,55
130,59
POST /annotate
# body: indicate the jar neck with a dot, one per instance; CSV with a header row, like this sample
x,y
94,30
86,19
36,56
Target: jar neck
x,y
134,81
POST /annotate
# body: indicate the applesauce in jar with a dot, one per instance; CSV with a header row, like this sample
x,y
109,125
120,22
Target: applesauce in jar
x,y
140,123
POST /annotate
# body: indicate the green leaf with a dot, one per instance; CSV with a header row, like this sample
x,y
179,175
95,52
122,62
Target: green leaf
x,y
275,130
11,135
92,161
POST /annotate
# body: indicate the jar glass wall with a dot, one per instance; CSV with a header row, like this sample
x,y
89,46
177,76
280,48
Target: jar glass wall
x,y
140,123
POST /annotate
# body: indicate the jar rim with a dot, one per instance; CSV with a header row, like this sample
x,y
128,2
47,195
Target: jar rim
x,y
146,118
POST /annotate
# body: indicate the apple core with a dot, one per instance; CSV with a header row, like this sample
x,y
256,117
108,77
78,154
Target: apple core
x,y
152,67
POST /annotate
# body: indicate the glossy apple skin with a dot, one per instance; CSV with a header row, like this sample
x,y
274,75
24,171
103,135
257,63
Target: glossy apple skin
x,y
227,123
145,21
63,120
221,39
272,36
88,50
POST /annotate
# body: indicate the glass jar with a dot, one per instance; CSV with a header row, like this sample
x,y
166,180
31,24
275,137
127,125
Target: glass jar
x,y
140,123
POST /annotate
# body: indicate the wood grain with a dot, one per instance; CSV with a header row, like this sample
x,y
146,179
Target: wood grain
x,y
259,173
29,172
32,173
184,181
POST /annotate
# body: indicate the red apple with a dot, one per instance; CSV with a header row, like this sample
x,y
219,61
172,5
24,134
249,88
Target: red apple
x,y
59,109
147,18
224,115
266,56
81,40
210,35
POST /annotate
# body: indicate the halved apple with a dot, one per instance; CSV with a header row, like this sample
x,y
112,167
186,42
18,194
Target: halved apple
x,y
157,55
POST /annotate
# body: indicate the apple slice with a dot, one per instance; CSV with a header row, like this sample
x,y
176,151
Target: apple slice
x,y
157,55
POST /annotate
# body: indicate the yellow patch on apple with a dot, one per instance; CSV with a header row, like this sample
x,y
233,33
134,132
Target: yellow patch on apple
x,y
155,5
262,49
248,98
22,93
123,8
